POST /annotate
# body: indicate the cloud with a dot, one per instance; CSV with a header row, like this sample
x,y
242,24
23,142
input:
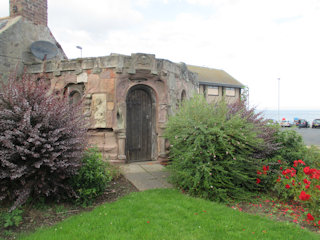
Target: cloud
x,y
96,17
254,41
4,9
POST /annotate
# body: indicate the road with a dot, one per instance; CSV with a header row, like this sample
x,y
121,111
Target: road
x,y
311,136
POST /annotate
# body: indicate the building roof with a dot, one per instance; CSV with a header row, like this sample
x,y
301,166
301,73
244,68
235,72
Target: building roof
x,y
214,77
7,22
3,22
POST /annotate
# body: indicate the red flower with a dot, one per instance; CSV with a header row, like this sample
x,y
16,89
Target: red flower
x,y
315,173
279,161
295,163
306,170
265,168
293,172
319,222
306,181
318,186
287,186
310,217
307,186
258,172
303,196
258,180
280,168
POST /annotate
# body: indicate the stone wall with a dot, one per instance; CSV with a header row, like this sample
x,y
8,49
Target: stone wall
x,y
105,82
16,36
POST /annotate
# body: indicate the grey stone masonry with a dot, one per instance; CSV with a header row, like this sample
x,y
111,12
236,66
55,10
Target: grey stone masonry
x,y
16,36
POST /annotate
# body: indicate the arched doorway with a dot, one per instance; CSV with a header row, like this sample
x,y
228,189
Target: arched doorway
x,y
140,124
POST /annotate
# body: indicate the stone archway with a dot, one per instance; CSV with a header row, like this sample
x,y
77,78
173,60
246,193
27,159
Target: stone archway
x,y
140,124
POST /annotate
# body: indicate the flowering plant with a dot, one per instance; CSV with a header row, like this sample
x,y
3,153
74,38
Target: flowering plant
x,y
301,183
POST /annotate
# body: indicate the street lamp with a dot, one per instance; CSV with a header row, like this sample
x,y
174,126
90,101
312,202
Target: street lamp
x,y
79,47
279,99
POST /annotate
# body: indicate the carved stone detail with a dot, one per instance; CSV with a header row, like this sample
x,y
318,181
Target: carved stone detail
x,y
143,61
99,105
82,78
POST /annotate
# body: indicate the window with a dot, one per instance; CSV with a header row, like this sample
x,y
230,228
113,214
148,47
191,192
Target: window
x,y
74,97
75,92
231,92
183,95
213,91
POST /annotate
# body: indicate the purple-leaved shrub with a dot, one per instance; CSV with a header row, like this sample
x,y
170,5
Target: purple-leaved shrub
x,y
42,139
264,130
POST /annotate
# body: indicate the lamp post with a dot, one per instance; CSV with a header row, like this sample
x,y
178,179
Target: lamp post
x,y
279,99
79,47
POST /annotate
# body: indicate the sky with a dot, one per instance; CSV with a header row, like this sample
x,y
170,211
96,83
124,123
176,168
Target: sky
x,y
270,46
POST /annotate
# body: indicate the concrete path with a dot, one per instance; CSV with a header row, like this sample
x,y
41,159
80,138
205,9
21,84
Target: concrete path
x,y
146,175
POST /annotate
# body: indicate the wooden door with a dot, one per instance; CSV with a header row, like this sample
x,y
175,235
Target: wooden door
x,y
139,126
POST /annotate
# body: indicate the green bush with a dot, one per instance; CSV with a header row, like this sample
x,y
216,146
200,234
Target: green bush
x,y
292,146
211,151
312,157
10,219
92,178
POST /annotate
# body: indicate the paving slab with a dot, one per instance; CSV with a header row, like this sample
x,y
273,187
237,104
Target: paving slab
x,y
152,167
146,175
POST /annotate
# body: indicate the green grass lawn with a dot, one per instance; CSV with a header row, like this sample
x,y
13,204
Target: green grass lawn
x,y
168,214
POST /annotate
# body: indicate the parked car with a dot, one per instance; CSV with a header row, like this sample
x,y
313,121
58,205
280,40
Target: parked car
x,y
316,123
302,123
285,123
296,121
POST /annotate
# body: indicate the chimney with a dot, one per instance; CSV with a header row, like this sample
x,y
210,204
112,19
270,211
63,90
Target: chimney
x,y
33,10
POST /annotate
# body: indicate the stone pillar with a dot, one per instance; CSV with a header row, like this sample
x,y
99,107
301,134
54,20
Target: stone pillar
x,y
121,136
162,143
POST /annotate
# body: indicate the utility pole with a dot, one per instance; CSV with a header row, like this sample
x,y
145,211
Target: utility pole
x,y
279,100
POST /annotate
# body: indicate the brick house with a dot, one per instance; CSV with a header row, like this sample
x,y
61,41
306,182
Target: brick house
x,y
127,98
